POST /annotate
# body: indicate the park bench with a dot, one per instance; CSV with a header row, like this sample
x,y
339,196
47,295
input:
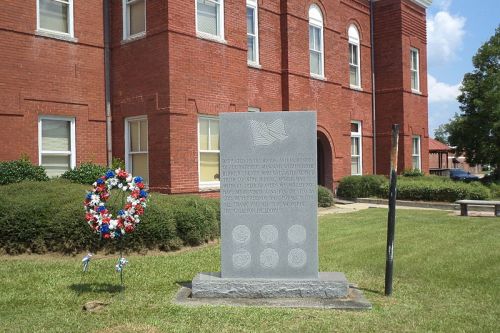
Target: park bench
x,y
464,205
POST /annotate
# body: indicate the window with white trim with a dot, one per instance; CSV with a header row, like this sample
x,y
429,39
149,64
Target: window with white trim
x,y
253,109
210,18
136,147
208,151
414,70
252,32
316,57
56,144
134,18
416,156
356,149
55,16
354,58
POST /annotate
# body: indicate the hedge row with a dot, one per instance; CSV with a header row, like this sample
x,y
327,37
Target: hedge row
x,y
17,171
428,188
39,217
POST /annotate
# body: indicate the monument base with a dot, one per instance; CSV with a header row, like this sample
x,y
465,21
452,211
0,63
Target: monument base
x,y
329,285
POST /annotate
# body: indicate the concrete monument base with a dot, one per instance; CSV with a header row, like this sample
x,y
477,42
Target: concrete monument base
x,y
328,285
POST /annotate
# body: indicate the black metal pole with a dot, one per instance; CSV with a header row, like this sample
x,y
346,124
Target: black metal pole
x,y
391,218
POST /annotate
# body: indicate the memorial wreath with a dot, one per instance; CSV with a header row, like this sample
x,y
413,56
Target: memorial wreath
x,y
98,216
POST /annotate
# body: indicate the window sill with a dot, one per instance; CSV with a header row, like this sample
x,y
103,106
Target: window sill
x,y
209,187
213,38
318,77
358,88
416,92
133,38
254,65
56,35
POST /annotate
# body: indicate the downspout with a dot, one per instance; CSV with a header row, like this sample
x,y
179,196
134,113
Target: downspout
x,y
374,126
107,84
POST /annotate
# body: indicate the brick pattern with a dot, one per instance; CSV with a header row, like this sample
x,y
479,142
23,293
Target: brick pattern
x,y
42,76
173,76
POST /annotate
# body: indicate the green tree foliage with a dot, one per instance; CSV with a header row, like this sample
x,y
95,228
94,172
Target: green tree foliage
x,y
476,130
441,134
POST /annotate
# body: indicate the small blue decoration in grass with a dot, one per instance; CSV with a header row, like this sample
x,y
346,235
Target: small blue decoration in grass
x,y
138,179
110,174
86,262
100,181
143,194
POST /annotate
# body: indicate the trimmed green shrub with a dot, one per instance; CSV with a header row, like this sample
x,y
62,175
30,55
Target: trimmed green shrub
x,y
495,191
17,171
325,197
441,190
39,217
412,173
117,163
85,173
352,187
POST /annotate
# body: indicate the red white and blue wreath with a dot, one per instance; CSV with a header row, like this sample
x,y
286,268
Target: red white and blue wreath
x,y
98,216
101,220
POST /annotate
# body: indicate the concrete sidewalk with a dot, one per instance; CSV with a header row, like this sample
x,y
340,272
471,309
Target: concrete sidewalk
x,y
350,207
356,206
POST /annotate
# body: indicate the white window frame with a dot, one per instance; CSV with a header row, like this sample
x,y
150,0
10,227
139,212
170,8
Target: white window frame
x,y
415,68
253,109
354,42
128,162
71,153
220,20
126,20
216,183
317,22
71,31
358,135
418,154
253,4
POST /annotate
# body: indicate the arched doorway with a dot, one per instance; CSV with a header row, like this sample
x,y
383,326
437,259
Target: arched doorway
x,y
325,161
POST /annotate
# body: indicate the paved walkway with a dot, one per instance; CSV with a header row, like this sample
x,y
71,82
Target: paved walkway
x,y
341,208
354,207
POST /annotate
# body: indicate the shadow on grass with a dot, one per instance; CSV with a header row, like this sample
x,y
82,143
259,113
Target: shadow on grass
x,y
378,292
186,284
82,288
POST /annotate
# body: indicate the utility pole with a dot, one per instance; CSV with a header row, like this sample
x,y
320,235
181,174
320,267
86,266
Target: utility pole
x,y
391,217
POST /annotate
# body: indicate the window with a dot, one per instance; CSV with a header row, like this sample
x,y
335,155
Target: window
x,y
414,67
354,58
208,147
56,144
252,32
253,109
316,60
136,147
134,18
55,16
416,160
210,18
356,150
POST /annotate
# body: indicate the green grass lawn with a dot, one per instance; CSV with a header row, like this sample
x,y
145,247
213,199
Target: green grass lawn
x,y
447,279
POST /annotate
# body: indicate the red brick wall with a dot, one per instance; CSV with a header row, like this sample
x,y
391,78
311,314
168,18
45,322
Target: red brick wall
x,y
45,76
399,26
172,76
139,79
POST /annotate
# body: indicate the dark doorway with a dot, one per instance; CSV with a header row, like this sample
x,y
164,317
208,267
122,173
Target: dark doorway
x,y
325,165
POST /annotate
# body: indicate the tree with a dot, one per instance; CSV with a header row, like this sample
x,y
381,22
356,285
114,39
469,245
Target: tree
x,y
441,134
476,130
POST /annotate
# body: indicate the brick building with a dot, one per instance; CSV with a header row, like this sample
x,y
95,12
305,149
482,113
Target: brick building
x,y
175,65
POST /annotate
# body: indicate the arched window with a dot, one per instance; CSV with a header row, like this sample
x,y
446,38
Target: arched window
x,y
354,58
316,53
